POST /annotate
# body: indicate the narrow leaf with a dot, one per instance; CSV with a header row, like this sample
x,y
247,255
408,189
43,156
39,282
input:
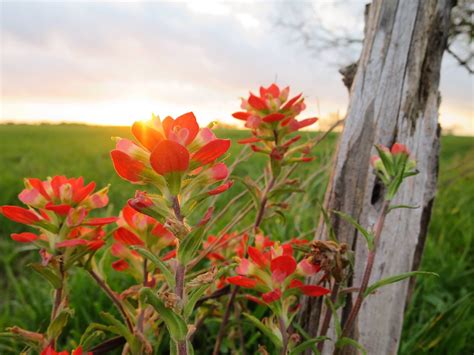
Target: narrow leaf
x,y
193,298
49,274
174,323
161,265
190,245
308,344
393,279
348,341
367,235
394,207
264,329
57,325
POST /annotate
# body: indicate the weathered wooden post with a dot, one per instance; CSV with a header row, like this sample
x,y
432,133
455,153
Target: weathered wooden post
x,y
394,97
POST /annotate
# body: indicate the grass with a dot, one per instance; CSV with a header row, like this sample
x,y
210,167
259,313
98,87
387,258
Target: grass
x,y
439,320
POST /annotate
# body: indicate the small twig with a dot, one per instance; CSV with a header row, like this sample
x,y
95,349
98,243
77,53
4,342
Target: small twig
x,y
225,319
216,294
113,297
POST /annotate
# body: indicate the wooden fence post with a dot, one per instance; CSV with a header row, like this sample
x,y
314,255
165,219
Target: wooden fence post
x,y
394,97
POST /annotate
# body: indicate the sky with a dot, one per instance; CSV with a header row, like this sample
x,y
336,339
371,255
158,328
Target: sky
x,y
114,63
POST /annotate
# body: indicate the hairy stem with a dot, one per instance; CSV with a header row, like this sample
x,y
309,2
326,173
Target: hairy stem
x,y
113,297
367,272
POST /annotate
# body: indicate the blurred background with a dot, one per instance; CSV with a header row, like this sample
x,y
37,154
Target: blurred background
x,y
113,62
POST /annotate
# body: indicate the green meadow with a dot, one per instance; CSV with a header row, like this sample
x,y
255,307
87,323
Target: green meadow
x,y
439,318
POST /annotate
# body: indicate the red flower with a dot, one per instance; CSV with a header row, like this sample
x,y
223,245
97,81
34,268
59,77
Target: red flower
x,y
169,157
282,267
183,129
120,265
257,257
19,214
272,296
273,91
211,151
126,167
241,115
314,291
256,102
100,221
291,102
274,117
146,135
399,148
242,281
220,189
126,237
25,237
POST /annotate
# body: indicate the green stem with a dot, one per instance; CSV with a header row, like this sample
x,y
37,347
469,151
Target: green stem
x,y
368,271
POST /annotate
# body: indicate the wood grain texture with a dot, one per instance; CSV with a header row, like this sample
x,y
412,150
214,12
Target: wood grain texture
x,y
394,98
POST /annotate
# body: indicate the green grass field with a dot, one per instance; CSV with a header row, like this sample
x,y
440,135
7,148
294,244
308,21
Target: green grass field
x,y
439,320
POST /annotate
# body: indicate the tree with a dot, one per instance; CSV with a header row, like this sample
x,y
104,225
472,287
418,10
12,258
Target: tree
x,y
394,97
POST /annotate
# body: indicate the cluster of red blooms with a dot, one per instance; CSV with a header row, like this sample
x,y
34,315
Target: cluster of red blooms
x,y
136,228
272,119
58,209
273,271
175,155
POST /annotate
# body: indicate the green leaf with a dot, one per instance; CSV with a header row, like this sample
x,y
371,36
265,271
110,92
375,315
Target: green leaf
x,y
174,323
161,265
190,245
264,329
57,325
393,279
394,207
193,298
367,235
386,159
118,327
308,344
348,341
90,336
397,181
49,274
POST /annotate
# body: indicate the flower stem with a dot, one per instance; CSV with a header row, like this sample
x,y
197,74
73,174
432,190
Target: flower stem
x,y
368,271
284,335
113,297
58,295
225,318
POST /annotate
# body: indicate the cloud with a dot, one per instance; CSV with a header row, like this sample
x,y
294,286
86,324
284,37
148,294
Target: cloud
x,y
178,54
